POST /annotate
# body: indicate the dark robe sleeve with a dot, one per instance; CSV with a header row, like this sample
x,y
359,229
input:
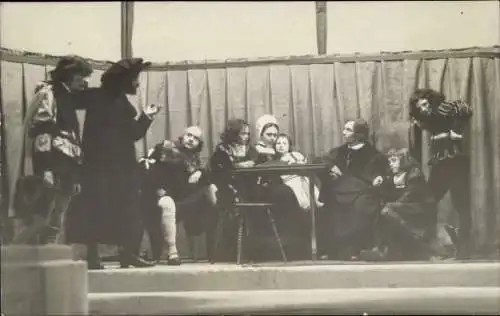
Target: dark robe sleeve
x,y
220,165
252,154
380,165
415,138
464,114
205,178
324,177
415,187
83,100
139,127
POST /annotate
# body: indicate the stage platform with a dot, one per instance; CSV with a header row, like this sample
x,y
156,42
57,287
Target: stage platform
x,y
322,287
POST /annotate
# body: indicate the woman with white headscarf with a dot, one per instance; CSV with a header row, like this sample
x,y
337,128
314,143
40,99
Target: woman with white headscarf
x,y
290,219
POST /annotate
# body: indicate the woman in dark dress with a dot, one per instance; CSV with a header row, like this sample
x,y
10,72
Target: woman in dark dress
x,y
291,221
233,151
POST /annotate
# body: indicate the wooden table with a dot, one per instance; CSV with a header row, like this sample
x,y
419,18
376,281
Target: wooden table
x,y
306,170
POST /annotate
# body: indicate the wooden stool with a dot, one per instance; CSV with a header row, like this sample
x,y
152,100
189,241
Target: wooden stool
x,y
240,209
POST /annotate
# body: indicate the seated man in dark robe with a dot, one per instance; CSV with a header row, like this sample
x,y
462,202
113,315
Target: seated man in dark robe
x,y
350,192
176,188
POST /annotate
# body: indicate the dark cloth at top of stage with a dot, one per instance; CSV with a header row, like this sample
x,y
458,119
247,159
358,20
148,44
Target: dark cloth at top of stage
x,y
107,209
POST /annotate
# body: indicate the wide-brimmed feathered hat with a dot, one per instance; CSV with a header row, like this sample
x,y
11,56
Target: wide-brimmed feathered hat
x,y
125,68
68,65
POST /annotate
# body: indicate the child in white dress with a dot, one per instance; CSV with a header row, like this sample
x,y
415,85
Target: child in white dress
x,y
299,184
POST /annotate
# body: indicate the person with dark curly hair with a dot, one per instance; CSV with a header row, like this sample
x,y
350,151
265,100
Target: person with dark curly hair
x,y
233,150
450,166
52,136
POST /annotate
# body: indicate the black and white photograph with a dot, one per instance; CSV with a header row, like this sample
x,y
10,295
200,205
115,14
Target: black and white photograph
x,y
250,158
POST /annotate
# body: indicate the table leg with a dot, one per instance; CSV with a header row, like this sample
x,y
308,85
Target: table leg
x,y
314,247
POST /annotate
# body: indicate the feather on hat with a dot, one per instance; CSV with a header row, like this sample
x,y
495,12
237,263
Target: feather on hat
x,y
128,68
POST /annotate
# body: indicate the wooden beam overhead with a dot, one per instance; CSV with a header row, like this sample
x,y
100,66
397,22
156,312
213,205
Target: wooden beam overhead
x,y
321,26
127,26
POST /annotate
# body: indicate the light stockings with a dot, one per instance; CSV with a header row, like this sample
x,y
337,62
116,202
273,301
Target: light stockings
x,y
58,221
168,210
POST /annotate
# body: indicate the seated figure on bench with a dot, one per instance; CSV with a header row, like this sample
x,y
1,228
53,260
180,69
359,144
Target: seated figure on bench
x,y
176,188
351,192
407,224
233,150
291,221
299,184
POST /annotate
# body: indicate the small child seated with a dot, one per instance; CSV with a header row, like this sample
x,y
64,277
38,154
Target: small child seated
x,y
299,184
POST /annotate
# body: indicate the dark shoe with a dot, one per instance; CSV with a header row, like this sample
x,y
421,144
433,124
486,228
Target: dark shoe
x,y
174,262
374,254
95,266
94,262
463,252
136,262
48,235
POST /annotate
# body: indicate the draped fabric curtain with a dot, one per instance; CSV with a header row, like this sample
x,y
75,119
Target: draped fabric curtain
x,y
312,98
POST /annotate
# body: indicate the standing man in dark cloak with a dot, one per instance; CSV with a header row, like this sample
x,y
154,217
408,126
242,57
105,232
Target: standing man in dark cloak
x,y
108,209
450,165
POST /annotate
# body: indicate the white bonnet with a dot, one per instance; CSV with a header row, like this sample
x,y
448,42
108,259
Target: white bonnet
x,y
263,121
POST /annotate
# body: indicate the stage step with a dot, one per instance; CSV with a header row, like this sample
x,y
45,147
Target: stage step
x,y
226,277
421,301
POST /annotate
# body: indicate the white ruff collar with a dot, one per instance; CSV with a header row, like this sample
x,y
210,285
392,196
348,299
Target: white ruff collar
x,y
357,146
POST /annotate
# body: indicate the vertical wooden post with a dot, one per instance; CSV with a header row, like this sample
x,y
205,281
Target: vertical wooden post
x,y
127,25
321,26
4,182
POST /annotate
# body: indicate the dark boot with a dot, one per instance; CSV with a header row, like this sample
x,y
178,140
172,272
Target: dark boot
x,y
93,259
128,258
174,261
374,254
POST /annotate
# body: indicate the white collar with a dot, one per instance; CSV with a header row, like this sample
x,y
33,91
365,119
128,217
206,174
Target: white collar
x,y
357,146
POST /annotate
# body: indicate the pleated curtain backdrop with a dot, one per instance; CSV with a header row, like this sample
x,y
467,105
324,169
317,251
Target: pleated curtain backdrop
x,y
312,97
